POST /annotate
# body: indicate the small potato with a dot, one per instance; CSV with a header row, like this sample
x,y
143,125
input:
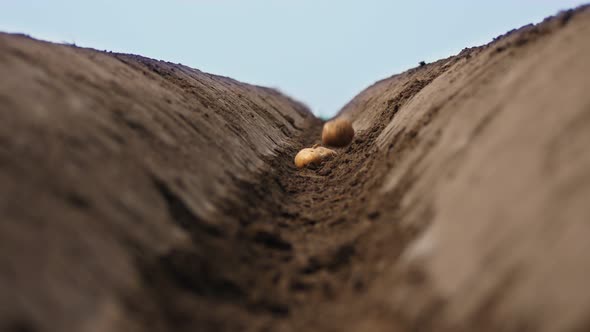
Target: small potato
x,y
313,156
338,133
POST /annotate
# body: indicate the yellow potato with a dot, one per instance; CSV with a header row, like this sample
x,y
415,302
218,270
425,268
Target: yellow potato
x,y
313,156
337,132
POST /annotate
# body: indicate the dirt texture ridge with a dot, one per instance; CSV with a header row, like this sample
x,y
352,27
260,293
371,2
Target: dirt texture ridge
x,y
141,195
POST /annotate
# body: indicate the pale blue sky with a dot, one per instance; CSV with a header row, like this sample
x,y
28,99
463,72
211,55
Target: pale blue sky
x,y
320,52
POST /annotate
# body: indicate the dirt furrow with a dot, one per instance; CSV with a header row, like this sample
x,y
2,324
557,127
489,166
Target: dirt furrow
x,y
141,195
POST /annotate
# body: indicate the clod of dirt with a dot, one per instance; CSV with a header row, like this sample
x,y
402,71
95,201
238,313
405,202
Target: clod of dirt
x,y
313,156
338,132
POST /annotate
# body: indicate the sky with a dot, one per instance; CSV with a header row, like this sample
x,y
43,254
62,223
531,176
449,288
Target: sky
x,y
321,52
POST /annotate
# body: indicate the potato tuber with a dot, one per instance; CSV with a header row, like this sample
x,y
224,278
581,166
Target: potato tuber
x,y
313,156
337,133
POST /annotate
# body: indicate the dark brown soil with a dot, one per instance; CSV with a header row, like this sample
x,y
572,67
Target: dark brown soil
x,y
140,195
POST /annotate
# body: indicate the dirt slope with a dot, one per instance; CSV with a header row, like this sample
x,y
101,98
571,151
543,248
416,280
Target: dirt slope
x,y
139,195
493,167
110,166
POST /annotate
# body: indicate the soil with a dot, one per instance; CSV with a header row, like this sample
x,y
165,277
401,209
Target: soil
x,y
141,195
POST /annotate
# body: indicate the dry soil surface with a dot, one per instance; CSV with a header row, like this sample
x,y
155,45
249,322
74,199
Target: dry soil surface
x,y
141,195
